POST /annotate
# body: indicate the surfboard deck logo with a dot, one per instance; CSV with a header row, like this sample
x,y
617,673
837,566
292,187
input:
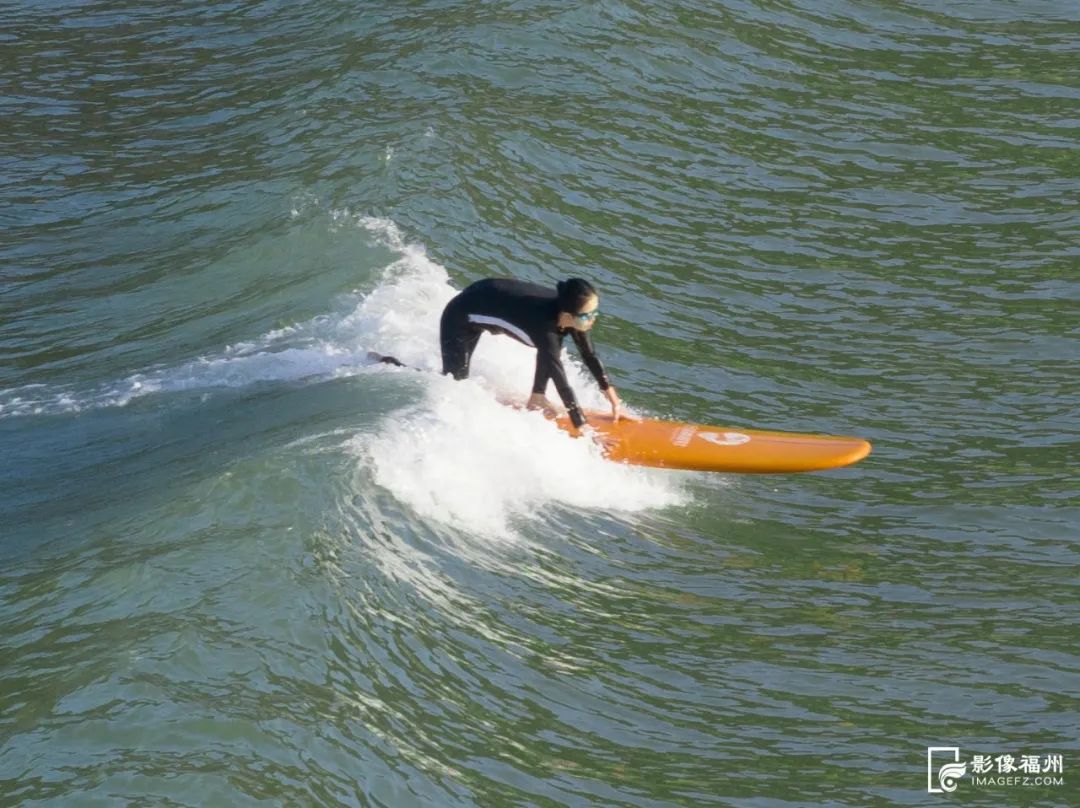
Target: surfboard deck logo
x,y
688,432
725,438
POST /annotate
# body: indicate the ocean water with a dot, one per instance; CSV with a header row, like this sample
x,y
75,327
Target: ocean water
x,y
240,565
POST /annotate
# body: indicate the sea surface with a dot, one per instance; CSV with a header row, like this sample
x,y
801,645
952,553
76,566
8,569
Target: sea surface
x,y
240,565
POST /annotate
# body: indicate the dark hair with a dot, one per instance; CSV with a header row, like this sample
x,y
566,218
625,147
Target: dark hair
x,y
574,294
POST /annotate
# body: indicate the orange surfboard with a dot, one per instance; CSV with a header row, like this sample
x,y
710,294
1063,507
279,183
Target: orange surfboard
x,y
697,447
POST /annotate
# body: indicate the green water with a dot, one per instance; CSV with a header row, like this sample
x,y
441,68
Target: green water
x,y
238,566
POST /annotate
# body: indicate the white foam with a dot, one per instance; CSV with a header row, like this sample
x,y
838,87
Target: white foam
x,y
461,458
236,367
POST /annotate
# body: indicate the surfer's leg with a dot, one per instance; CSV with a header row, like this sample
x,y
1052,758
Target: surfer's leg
x,y
463,352
457,338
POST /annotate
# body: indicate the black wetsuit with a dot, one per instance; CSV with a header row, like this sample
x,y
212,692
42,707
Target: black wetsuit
x,y
525,311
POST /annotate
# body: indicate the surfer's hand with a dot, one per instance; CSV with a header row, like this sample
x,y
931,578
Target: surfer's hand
x,y
617,410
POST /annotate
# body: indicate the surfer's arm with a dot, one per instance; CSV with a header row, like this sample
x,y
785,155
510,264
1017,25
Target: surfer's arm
x,y
592,362
549,366
588,355
538,399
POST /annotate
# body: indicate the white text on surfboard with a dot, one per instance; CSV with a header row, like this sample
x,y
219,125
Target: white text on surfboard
x,y
725,438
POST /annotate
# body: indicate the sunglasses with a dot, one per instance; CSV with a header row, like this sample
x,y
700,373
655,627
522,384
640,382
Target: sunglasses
x,y
588,316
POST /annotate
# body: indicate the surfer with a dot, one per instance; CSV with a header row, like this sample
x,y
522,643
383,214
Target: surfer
x,y
536,316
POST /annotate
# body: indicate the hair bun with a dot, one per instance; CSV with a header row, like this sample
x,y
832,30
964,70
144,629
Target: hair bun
x,y
573,293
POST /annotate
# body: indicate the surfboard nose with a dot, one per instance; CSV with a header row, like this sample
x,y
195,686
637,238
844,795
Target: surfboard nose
x,y
859,452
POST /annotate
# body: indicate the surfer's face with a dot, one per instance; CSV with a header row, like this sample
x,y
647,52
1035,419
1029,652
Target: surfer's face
x,y
585,318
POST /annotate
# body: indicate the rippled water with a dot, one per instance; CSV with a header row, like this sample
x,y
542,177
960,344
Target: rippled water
x,y
238,565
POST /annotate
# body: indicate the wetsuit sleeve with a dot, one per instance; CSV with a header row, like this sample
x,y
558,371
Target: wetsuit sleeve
x,y
592,361
550,366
